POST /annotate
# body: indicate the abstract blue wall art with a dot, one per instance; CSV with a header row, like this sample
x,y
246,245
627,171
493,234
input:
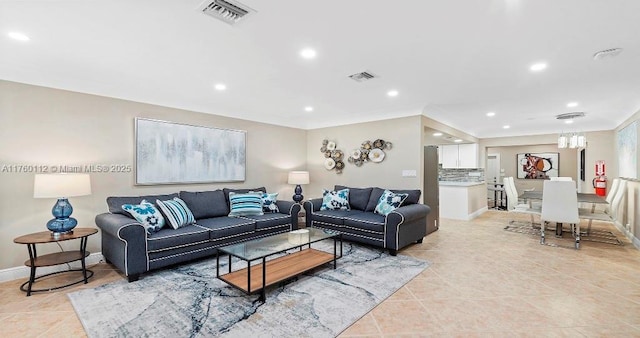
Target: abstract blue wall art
x,y
174,153
628,151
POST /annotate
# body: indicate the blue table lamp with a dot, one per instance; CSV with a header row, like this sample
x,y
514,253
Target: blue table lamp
x,y
61,186
298,178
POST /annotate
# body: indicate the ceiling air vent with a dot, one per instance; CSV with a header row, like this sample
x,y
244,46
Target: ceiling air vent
x,y
361,77
569,116
607,53
229,11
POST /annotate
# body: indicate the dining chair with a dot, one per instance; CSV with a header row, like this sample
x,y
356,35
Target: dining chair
x,y
561,179
560,205
610,213
513,205
609,198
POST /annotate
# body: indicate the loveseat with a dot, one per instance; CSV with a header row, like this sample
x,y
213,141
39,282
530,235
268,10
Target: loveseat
x,y
404,225
128,245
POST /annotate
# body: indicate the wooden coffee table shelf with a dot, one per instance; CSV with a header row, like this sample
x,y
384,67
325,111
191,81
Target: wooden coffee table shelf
x,y
292,255
279,269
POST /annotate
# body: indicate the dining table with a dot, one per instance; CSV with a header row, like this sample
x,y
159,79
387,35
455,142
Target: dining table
x,y
582,198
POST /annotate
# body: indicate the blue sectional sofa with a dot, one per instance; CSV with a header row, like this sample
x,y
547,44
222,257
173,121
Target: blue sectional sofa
x,y
127,245
403,226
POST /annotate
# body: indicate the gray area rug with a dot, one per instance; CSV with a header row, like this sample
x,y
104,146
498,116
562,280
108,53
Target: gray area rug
x,y
189,301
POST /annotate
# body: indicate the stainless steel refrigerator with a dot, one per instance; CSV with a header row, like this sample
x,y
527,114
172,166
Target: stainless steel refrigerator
x,y
430,190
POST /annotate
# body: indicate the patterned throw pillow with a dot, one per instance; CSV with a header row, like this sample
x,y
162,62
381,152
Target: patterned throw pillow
x,y
249,204
335,200
177,212
147,214
269,202
389,201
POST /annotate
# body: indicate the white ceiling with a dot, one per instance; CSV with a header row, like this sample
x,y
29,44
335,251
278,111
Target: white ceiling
x,y
452,60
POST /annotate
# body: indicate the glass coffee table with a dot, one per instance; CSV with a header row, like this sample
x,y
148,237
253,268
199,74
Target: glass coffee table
x,y
256,278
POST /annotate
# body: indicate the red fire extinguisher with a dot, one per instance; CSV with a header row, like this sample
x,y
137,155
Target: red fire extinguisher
x,y
600,182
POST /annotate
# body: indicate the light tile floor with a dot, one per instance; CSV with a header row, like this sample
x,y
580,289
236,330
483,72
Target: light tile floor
x,y
483,282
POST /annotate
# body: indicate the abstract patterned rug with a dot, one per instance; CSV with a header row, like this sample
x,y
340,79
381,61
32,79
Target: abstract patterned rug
x,y
189,301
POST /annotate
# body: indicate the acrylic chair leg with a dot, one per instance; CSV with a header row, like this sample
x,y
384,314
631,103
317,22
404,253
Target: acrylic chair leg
x,y
542,224
577,227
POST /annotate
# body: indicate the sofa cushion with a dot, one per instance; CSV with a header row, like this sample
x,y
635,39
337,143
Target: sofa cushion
x,y
177,212
205,204
389,201
269,202
245,204
358,197
115,202
335,200
365,221
269,220
413,198
226,192
413,195
146,214
170,238
333,216
222,227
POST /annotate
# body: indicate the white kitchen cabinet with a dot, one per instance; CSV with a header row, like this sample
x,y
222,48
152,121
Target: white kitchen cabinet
x,y
460,155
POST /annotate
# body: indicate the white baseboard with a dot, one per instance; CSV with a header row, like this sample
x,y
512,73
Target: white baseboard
x,y
22,272
477,213
634,240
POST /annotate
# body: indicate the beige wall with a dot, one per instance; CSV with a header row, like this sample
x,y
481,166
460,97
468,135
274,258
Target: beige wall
x,y
600,146
405,134
43,126
567,158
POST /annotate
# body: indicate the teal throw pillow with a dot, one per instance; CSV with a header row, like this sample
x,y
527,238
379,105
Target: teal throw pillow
x,y
269,202
335,200
146,214
249,204
177,212
389,201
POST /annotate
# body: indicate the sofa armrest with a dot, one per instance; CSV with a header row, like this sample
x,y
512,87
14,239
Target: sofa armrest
x,y
292,209
408,213
406,225
124,243
309,207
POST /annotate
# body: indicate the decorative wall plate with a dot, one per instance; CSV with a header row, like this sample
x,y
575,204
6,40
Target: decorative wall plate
x,y
376,155
329,164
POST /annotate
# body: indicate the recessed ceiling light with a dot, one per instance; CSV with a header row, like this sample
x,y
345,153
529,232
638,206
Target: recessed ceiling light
x,y
18,36
220,86
506,126
437,134
572,104
491,114
392,93
308,53
536,67
308,108
457,140
568,121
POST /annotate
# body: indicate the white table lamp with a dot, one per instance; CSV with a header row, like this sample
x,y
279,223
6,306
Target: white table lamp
x,y
298,178
61,186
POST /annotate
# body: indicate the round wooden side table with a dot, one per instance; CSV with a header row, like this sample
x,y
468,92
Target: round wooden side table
x,y
56,258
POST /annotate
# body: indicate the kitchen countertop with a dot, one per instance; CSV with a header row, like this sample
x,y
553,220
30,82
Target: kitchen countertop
x,y
460,184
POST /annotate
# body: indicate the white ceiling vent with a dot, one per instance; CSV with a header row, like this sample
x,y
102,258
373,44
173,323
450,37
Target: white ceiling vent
x,y
607,53
363,76
569,116
229,11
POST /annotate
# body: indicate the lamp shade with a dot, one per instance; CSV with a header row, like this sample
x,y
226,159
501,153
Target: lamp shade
x,y
298,177
61,185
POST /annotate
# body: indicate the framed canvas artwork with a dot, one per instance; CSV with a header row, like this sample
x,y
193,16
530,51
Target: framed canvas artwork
x,y
174,153
540,166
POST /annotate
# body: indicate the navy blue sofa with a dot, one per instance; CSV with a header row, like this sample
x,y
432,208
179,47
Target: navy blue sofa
x,y
126,245
403,226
